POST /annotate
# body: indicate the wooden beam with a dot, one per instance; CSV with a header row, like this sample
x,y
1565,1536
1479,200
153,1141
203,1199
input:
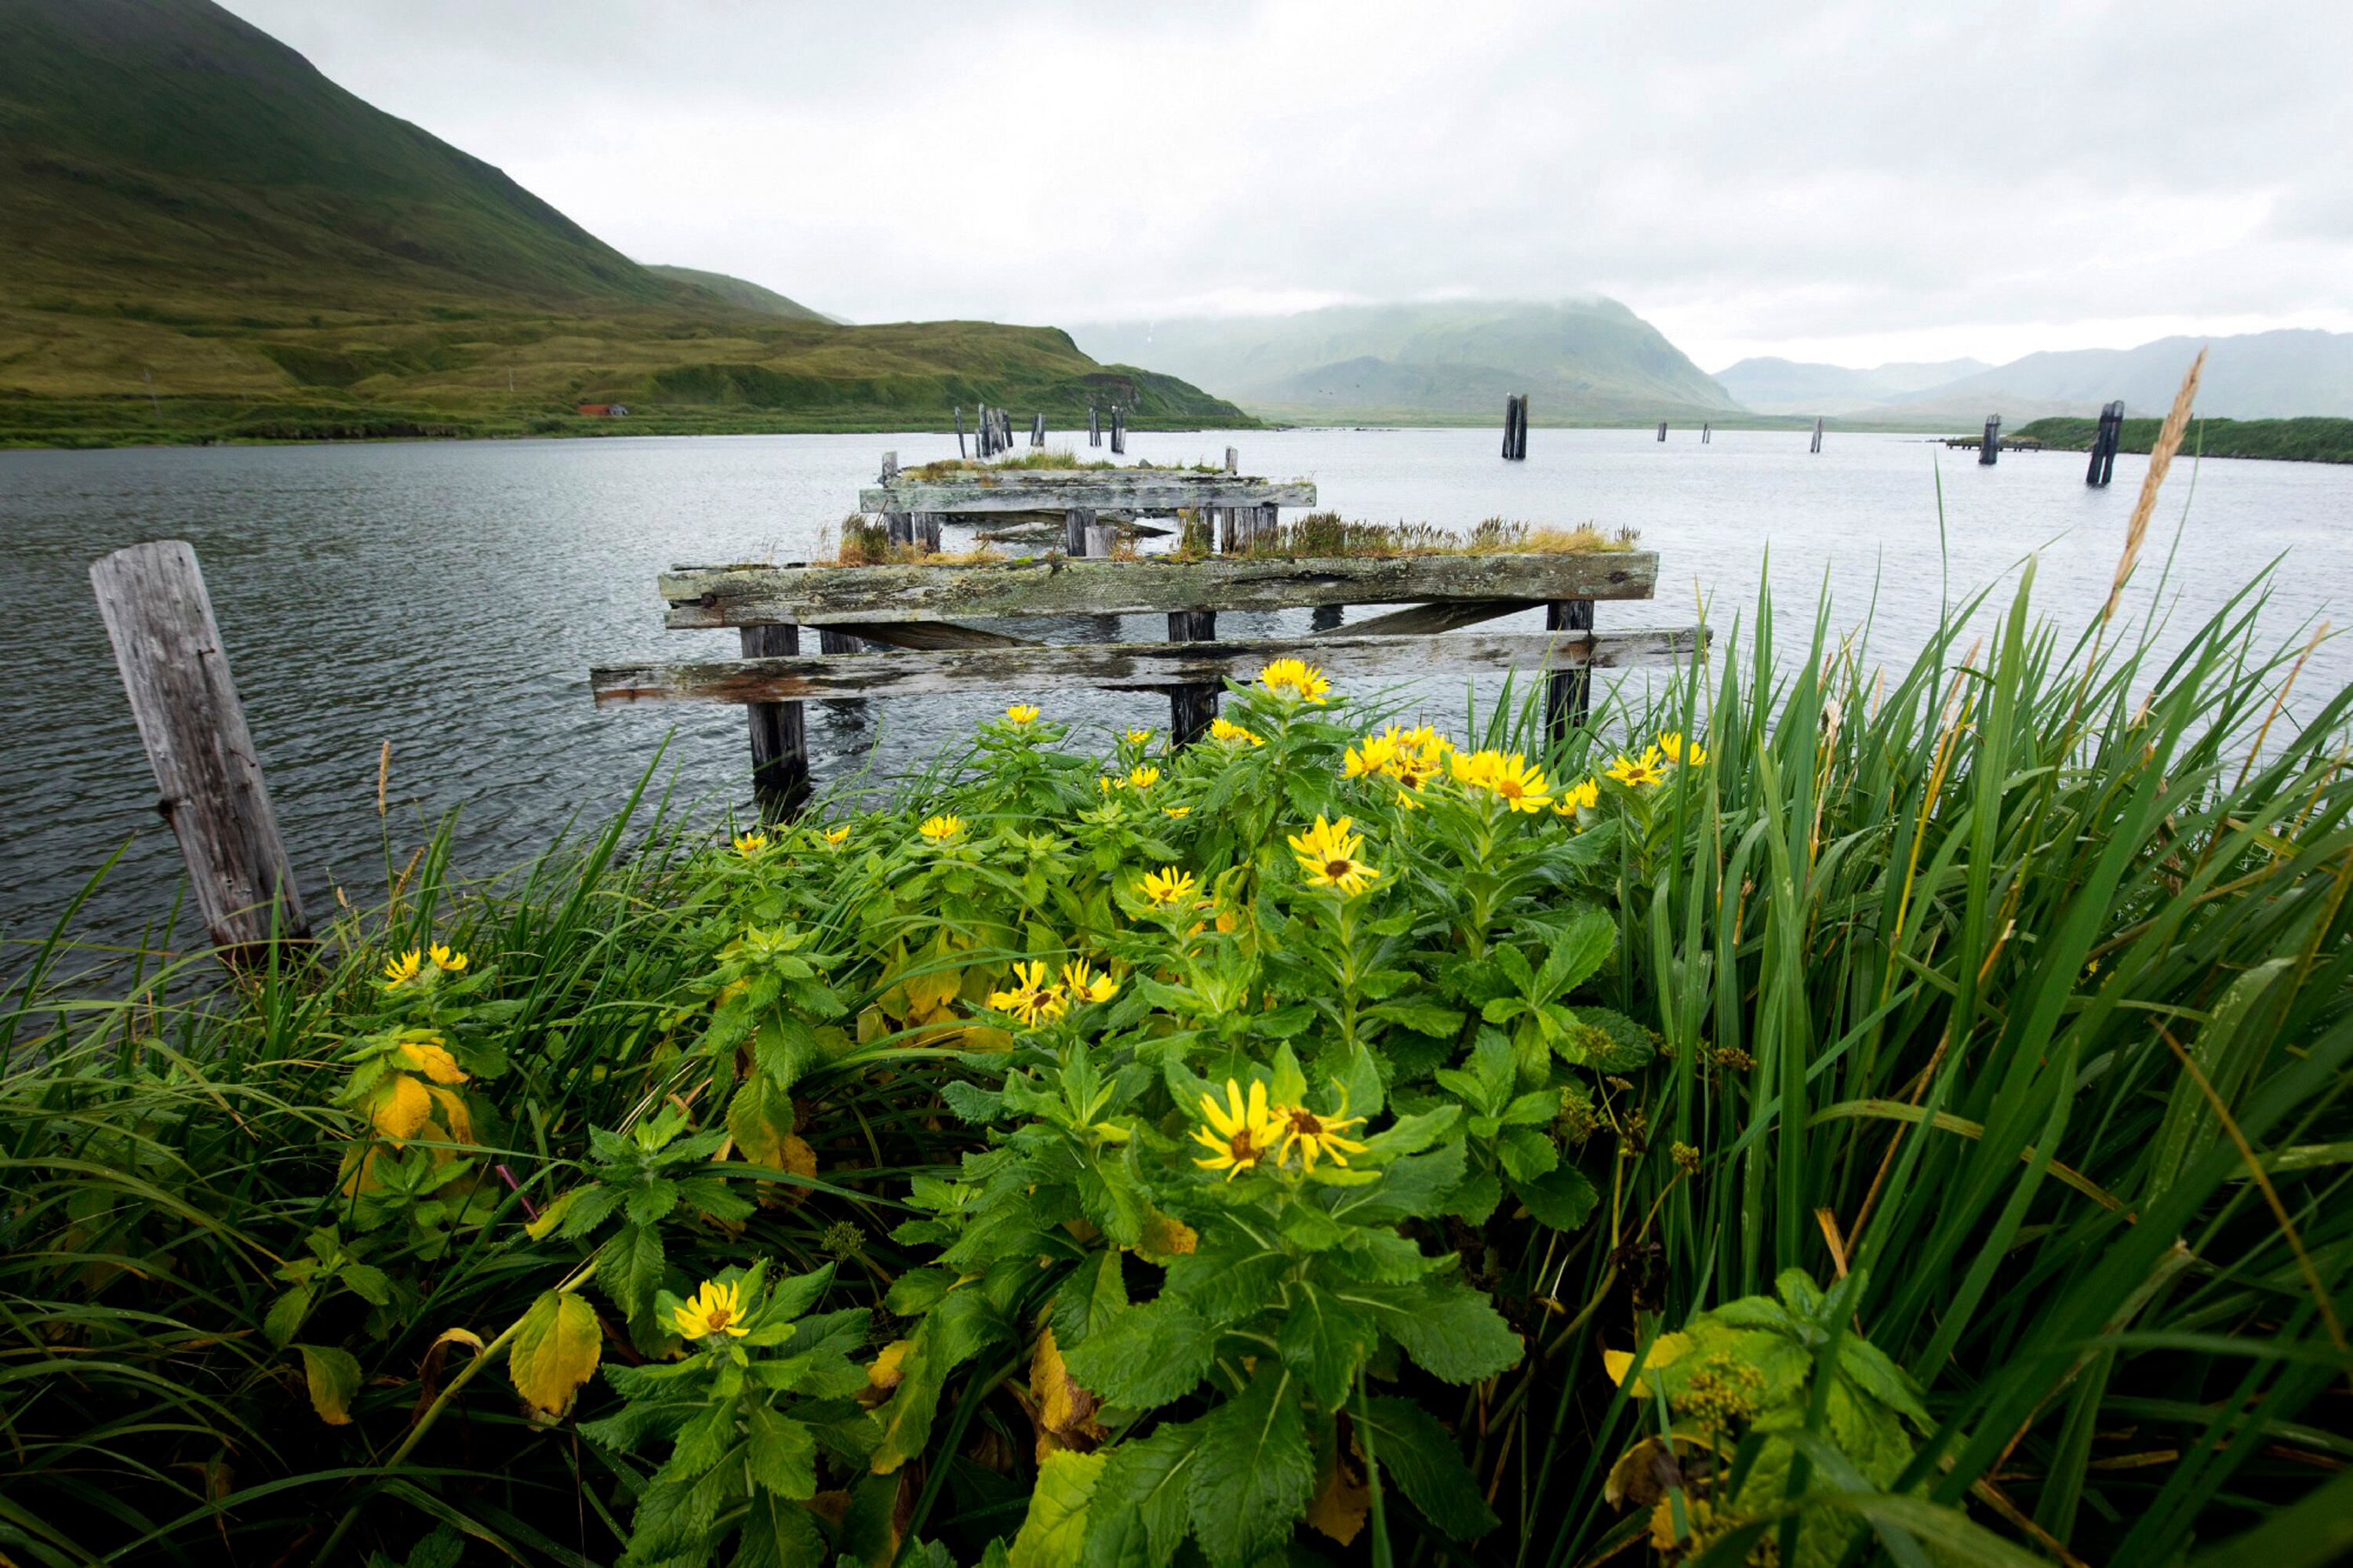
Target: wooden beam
x,y
175,672
780,774
1127,666
1448,616
1191,707
924,635
702,596
1048,490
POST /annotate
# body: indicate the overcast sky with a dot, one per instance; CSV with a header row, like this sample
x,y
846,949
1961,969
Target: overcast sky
x,y
1850,183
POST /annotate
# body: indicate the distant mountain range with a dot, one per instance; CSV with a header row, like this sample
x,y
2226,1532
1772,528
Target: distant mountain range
x,y
1448,363
1788,387
204,237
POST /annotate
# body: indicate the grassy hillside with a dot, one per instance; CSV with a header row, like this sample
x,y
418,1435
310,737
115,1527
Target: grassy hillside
x,y
2288,440
1453,363
208,239
741,292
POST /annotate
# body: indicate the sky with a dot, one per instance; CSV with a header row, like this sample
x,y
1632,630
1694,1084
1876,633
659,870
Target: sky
x,y
1847,183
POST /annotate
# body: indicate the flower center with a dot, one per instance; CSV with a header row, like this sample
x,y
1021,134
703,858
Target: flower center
x,y
1336,869
1244,1151
719,1315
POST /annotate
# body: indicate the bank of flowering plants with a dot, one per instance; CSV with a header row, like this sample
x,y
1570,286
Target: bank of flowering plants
x,y
1812,1119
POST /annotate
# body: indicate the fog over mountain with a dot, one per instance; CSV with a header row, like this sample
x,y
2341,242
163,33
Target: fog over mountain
x,y
1769,386
2256,375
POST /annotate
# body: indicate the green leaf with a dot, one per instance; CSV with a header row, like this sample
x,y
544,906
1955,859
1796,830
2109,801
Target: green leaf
x,y
630,1269
915,1292
285,1314
1137,1518
1054,1533
1578,952
1421,1457
777,1533
554,1350
1324,1340
1562,1198
369,1282
1094,1293
1421,1017
1525,1153
1146,1356
1254,1475
781,1454
1447,1327
333,1376
1411,1188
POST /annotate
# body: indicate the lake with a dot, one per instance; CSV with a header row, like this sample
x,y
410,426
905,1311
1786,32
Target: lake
x,y
449,598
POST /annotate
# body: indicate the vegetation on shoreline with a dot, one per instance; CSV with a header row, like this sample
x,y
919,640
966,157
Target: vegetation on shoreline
x,y
1809,1113
2285,440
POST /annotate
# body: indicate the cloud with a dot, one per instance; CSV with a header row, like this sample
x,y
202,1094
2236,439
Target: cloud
x,y
1758,178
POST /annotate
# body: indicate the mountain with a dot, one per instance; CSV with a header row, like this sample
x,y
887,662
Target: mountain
x,y
743,293
1790,386
2255,376
1445,363
204,237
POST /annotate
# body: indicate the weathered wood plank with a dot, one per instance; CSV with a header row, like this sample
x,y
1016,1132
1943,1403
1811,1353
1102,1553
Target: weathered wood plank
x,y
1127,666
1568,692
1446,616
1191,707
820,595
780,774
924,635
1049,490
175,672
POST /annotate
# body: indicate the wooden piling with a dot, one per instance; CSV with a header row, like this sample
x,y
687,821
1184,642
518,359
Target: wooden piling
x,y
175,673
1662,430
1990,448
959,420
1094,427
1568,694
1078,524
1817,433
1511,421
1527,406
2104,444
1233,460
1037,429
780,773
1706,430
1118,430
1191,708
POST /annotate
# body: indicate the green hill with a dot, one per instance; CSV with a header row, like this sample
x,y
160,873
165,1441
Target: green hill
x,y
1447,363
206,238
2312,439
742,292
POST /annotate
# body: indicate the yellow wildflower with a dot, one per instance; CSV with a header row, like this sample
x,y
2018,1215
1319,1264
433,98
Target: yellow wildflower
x,y
749,845
837,837
1169,886
1022,713
1178,810
1584,794
1512,779
1139,737
403,969
1636,772
1316,1135
1238,1136
448,960
1031,1000
1086,983
716,1309
1105,783
1327,855
1224,729
1376,755
1292,678
1143,777
1672,743
940,829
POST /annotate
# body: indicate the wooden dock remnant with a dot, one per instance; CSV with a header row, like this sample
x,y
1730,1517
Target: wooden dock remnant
x,y
1990,446
1037,429
1817,433
2104,441
1094,427
1515,427
959,424
207,774
1706,430
1118,430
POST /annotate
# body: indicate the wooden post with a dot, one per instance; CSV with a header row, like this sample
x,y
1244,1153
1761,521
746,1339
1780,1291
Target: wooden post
x,y
1568,694
1191,708
1118,430
1706,430
780,774
1078,522
927,530
1662,430
890,467
1990,448
1103,540
959,419
1818,432
1324,618
902,527
1233,460
2104,444
1037,430
1094,427
175,672
1510,417
1526,403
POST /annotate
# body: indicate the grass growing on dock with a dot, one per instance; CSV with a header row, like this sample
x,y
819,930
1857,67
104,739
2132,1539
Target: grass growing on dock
x,y
1045,459
1328,534
1814,1115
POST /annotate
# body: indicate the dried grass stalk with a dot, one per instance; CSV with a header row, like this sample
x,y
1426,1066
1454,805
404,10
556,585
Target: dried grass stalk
x,y
2161,458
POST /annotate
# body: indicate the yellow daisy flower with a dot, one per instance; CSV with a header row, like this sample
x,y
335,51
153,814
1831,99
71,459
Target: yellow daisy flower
x,y
445,959
1314,1135
1031,999
1143,777
716,1309
1672,743
403,969
1635,771
1225,729
1022,713
1086,983
940,829
837,837
1585,794
1377,754
1169,886
1238,1135
1294,679
1327,855
749,845
1139,737
1178,810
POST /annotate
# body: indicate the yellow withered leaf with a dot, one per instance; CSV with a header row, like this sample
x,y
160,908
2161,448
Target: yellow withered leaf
x,y
884,1372
1342,1501
454,1114
333,1376
1065,1410
556,1350
1166,1236
400,1106
432,1058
